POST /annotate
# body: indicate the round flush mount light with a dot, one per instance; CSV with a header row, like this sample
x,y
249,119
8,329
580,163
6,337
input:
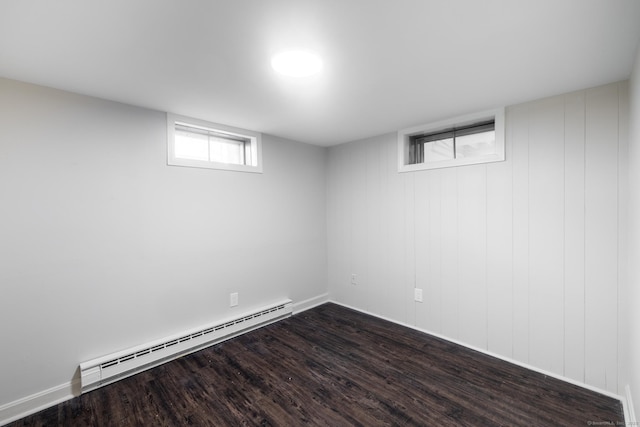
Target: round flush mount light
x,y
297,63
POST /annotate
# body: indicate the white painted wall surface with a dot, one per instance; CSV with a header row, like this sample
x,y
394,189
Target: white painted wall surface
x,y
103,246
632,319
521,258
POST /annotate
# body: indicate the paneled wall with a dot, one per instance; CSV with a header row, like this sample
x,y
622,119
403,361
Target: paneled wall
x,y
521,258
632,299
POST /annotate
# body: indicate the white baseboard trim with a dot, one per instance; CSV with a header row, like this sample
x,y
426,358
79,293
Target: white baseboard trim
x,y
489,353
307,304
28,405
629,411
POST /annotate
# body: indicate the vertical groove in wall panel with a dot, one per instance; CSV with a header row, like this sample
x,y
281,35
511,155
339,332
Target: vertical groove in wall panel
x,y
340,229
434,275
359,217
518,132
574,237
348,203
623,229
500,256
449,261
348,190
383,260
372,217
332,221
423,261
546,234
396,295
409,245
472,235
601,243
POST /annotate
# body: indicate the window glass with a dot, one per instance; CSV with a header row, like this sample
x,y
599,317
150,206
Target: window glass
x,y
191,146
459,141
226,150
473,140
439,150
476,145
200,144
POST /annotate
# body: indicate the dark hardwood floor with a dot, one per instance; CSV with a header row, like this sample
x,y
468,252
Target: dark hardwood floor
x,y
332,366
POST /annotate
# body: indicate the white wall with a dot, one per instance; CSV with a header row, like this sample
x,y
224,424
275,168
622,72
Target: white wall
x,y
522,258
103,246
633,301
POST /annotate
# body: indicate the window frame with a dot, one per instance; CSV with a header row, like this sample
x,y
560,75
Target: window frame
x,y
405,135
253,138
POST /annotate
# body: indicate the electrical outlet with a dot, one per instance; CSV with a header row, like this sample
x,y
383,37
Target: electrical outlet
x,y
233,299
354,279
417,294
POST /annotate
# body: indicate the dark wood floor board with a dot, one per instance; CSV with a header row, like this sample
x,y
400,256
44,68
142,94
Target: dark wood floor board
x,y
322,367
331,366
288,373
372,358
472,379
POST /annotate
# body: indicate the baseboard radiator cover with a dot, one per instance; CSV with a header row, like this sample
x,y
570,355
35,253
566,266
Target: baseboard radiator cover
x,y
115,366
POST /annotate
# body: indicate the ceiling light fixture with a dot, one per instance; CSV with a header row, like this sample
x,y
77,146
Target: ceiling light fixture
x,y
297,63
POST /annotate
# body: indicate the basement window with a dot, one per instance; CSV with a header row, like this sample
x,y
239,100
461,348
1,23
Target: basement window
x,y
472,139
200,144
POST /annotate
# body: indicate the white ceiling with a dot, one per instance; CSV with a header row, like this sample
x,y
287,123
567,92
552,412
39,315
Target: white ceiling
x,y
387,64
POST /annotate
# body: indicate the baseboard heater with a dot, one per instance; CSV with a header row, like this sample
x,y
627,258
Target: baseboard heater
x,y
113,367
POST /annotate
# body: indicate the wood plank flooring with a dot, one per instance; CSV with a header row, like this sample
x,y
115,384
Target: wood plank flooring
x,y
331,366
